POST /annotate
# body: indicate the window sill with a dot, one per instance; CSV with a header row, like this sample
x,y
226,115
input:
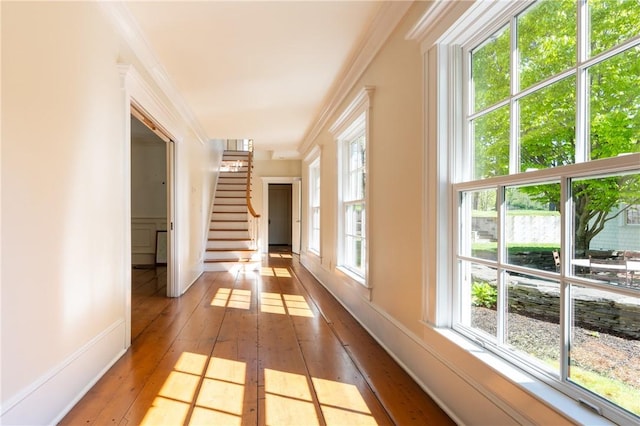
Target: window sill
x,y
560,402
355,281
352,275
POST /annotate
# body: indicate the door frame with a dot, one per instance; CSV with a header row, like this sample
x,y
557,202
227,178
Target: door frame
x,y
137,93
295,212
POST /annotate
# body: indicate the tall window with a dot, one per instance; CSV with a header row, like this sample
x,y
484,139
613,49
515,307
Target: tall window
x,y
549,159
351,132
314,206
353,180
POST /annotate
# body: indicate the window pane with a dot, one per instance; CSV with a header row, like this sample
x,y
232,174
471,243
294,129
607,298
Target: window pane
x,y
614,102
533,225
479,209
604,243
546,40
480,289
491,144
605,345
547,126
490,70
612,22
533,320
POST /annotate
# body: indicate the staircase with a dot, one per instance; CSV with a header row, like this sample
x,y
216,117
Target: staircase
x,y
232,239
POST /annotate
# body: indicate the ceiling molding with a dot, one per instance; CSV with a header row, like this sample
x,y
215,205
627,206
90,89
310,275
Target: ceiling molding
x,y
381,27
438,9
129,30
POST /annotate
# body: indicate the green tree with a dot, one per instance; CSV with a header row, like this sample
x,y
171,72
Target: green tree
x,y
547,40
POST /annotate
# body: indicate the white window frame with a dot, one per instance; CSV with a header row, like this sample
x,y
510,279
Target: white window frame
x,y
448,61
314,221
354,122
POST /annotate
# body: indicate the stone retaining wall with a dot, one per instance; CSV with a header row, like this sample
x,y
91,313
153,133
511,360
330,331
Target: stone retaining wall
x,y
616,315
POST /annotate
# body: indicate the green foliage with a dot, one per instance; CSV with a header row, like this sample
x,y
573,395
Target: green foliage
x,y
483,294
546,37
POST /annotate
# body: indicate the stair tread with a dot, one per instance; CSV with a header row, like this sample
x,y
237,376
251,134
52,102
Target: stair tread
x,y
238,260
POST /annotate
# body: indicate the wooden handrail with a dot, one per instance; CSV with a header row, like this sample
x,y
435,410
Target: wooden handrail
x,y
249,166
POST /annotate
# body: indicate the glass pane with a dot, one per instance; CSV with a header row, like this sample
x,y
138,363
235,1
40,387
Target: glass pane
x,y
612,22
606,246
491,144
546,40
532,227
547,126
533,318
490,70
481,218
605,345
481,286
614,100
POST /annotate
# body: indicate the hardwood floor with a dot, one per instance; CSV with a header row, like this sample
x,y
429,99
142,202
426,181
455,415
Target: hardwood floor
x,y
265,348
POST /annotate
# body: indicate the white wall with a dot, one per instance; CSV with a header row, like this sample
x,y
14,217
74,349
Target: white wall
x,y
62,190
65,182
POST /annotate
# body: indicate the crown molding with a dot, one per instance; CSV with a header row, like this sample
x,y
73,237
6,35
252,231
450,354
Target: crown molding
x,y
380,28
127,27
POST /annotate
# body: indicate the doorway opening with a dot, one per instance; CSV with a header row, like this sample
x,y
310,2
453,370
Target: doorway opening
x,y
280,220
151,172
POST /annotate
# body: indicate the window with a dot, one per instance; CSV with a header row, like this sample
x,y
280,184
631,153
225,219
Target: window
x,y
314,206
351,132
548,159
632,216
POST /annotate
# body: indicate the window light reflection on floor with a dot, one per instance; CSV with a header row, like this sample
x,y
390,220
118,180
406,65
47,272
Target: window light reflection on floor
x,y
232,298
215,388
276,303
218,393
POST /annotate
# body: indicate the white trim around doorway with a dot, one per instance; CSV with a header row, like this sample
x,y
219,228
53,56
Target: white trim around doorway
x,y
295,212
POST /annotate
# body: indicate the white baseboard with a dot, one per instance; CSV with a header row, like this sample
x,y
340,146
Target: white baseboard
x,y
50,398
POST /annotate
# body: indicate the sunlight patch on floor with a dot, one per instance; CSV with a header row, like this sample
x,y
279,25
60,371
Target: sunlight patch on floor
x,y
342,403
292,304
232,298
288,399
215,388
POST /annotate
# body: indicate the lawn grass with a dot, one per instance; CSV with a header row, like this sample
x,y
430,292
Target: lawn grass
x,y
517,247
614,390
493,213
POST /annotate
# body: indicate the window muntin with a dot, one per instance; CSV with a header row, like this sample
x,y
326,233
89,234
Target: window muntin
x,y
569,101
314,206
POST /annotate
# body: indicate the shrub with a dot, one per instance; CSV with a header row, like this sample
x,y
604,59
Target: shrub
x,y
483,294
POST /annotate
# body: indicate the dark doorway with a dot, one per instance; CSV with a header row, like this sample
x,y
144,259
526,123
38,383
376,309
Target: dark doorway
x,y
280,214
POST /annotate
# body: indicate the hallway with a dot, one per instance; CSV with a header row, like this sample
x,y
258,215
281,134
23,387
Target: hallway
x,y
267,348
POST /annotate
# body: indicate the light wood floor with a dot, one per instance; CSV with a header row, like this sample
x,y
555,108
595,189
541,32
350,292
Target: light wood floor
x,y
267,348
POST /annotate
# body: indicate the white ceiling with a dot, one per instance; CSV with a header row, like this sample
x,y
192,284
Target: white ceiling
x,y
262,70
